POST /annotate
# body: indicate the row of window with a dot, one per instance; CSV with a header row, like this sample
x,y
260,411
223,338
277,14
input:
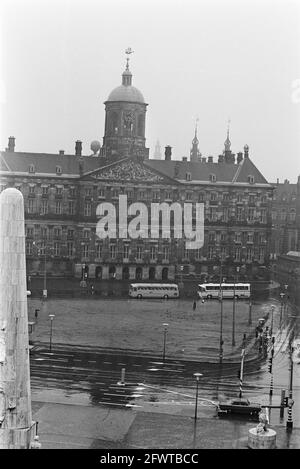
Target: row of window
x,y
212,213
156,195
42,248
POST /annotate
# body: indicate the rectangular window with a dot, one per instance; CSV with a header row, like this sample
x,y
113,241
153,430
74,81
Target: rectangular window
x,y
98,250
237,254
112,251
237,237
101,192
250,214
58,207
59,191
88,192
263,216
31,190
213,196
45,191
70,234
251,199
44,232
28,248
70,248
153,253
239,213
29,232
86,234
57,233
44,208
165,253
210,253
87,210
211,237
250,237
225,214
261,254
139,251
249,254
223,253
31,206
56,249
85,251
72,192
126,251
198,254
71,207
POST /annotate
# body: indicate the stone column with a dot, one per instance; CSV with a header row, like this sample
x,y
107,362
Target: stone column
x,y
16,426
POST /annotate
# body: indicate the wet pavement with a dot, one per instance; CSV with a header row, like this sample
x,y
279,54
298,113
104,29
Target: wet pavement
x,y
79,399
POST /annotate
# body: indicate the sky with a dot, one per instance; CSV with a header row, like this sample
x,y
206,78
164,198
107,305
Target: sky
x,y
211,60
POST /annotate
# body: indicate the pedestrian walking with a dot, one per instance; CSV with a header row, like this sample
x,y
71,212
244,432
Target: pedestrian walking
x,y
36,312
194,305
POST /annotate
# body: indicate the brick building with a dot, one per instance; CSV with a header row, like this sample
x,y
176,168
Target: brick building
x,y
62,192
285,219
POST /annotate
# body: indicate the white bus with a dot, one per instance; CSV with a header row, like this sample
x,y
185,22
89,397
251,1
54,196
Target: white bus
x,y
154,290
229,290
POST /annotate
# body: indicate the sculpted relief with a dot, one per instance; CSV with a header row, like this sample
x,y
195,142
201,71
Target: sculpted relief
x,y
129,171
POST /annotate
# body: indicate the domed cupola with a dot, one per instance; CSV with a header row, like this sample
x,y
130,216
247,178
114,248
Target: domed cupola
x,y
125,113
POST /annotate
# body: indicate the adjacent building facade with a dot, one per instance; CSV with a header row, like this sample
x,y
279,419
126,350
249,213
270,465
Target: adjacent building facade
x,y
62,193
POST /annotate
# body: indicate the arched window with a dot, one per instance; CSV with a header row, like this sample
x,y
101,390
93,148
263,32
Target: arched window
x,y
141,125
114,123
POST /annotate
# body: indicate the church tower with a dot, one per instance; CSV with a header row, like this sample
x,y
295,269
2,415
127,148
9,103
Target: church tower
x,y
195,155
157,151
125,115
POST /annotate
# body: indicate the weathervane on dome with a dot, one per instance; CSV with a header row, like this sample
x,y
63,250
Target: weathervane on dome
x,y
128,51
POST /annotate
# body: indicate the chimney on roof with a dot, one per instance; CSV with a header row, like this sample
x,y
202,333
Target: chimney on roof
x,y
184,158
11,144
246,151
78,148
221,159
61,152
277,181
168,153
203,159
239,157
210,159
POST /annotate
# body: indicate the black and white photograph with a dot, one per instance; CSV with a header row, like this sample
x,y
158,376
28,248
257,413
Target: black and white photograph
x,y
149,228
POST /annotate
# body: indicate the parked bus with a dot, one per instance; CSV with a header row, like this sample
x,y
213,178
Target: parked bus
x,y
229,290
154,290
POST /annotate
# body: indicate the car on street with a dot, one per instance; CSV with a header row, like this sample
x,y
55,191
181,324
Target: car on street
x,y
239,406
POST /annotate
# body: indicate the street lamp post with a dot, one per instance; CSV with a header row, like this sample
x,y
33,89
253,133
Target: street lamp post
x,y
197,376
242,366
233,309
221,316
165,334
51,316
289,423
272,315
281,307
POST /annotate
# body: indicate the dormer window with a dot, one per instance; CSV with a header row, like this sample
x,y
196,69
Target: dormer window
x,y
212,178
58,170
188,176
31,168
251,179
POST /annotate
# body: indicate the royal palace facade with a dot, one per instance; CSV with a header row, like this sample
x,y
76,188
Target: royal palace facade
x,y
62,192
